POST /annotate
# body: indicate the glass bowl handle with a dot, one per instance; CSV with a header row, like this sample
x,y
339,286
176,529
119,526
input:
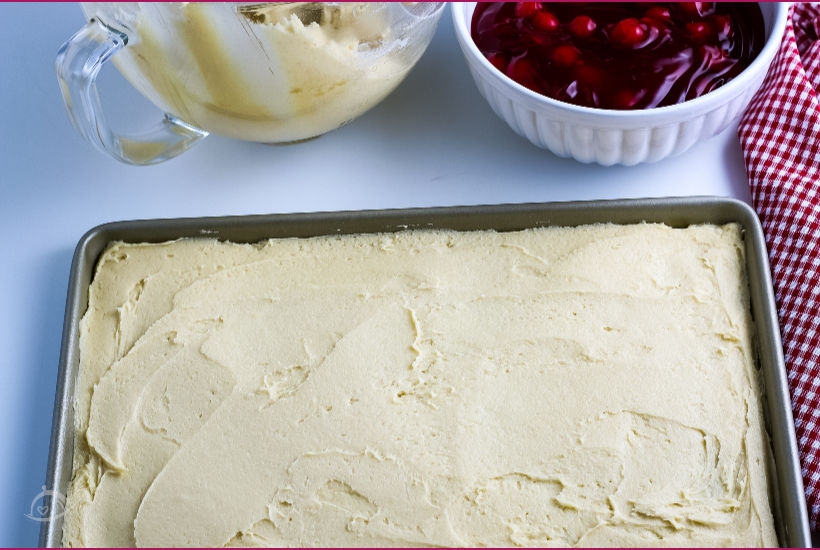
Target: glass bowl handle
x,y
78,63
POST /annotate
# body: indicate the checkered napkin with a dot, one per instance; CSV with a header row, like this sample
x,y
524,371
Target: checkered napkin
x,y
780,136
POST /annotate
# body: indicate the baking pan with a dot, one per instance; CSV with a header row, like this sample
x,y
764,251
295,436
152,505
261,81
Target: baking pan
x,y
789,505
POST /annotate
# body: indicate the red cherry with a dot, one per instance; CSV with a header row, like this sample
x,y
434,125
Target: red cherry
x,y
499,61
700,31
653,27
565,55
582,26
722,24
697,9
525,9
628,32
522,71
659,12
544,20
590,76
624,99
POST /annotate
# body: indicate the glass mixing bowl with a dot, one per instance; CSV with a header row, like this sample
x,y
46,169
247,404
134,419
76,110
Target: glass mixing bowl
x,y
273,72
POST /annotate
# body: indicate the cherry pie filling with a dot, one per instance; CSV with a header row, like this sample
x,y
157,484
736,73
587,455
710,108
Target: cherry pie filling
x,y
614,55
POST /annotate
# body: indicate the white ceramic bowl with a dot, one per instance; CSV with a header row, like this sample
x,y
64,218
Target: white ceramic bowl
x,y
609,136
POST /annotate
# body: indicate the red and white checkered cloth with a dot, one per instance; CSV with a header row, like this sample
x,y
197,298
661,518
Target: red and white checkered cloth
x,y
780,136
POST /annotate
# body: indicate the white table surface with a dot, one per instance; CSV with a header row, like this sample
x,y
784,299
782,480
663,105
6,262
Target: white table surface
x,y
434,141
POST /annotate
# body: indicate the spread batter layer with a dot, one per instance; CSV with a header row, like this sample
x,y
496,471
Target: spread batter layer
x,y
590,386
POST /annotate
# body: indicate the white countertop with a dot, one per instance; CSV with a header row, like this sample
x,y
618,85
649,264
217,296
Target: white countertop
x,y
434,141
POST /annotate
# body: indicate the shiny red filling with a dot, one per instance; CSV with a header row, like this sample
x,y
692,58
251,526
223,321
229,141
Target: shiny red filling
x,y
615,55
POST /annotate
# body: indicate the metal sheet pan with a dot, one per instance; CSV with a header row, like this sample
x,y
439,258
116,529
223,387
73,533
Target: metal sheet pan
x,y
787,488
